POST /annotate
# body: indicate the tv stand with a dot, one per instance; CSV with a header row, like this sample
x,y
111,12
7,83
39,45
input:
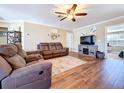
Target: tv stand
x,y
88,49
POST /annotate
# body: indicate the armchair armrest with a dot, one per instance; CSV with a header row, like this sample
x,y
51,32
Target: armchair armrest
x,y
28,76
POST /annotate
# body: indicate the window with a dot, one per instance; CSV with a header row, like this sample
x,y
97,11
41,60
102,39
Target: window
x,y
115,35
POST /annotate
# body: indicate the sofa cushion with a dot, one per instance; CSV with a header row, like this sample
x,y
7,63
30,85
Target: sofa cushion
x,y
52,46
5,68
43,46
46,52
21,52
56,51
7,51
16,61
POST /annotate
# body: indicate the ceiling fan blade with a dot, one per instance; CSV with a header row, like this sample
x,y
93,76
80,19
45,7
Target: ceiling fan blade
x,y
60,16
63,18
80,14
73,19
60,13
74,7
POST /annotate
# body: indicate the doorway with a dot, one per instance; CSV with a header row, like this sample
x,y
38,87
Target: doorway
x,y
69,40
115,41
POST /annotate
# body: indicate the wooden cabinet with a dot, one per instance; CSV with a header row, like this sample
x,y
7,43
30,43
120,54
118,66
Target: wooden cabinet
x,y
88,49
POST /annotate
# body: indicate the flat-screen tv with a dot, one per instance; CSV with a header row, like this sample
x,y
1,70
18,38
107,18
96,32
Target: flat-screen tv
x,y
87,40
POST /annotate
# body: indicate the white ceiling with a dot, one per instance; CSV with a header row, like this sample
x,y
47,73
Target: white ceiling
x,y
43,13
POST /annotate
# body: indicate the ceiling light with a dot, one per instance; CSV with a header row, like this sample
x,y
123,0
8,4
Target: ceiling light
x,y
70,16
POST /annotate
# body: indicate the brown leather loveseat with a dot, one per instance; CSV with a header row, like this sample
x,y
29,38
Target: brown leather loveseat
x,y
51,50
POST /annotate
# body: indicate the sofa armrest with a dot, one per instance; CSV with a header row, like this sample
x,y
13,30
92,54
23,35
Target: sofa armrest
x,y
67,49
33,52
40,71
33,57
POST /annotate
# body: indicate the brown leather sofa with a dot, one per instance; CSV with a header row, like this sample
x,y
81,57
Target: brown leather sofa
x,y
51,50
19,69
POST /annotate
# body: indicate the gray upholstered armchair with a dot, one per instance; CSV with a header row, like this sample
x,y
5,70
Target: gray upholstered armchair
x,y
15,72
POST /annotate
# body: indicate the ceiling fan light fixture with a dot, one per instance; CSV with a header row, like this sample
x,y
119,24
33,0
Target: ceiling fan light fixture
x,y
70,13
70,16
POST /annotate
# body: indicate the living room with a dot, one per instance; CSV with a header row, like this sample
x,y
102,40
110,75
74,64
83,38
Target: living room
x,y
59,44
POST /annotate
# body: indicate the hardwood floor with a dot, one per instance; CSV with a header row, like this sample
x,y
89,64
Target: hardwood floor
x,y
108,74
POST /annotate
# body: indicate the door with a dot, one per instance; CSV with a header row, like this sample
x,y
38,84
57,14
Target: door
x,y
69,41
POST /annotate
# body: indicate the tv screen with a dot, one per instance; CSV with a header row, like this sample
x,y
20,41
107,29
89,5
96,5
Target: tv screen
x,y
89,40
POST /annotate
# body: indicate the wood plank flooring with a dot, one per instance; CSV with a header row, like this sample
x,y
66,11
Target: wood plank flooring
x,y
100,74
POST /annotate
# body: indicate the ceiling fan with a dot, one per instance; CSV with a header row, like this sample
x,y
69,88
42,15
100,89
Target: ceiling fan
x,y
70,13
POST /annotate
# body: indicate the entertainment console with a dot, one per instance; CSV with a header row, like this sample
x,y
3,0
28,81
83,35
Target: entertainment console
x,y
88,49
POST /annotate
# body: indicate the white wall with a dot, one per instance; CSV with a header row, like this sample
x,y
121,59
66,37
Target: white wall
x,y
100,33
36,33
4,24
33,34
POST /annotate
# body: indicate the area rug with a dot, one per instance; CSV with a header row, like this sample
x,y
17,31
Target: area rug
x,y
65,63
